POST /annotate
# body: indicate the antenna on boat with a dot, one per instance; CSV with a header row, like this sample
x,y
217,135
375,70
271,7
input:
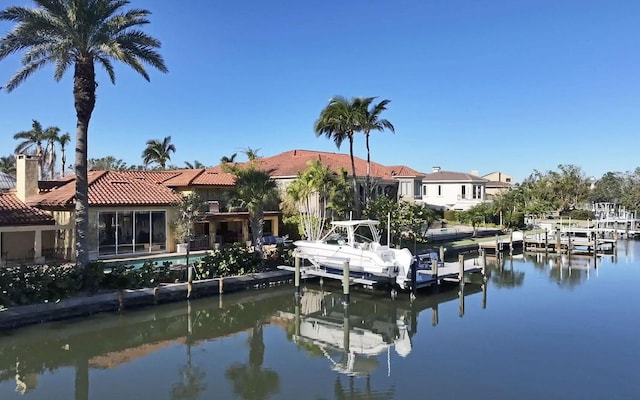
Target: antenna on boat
x,y
389,229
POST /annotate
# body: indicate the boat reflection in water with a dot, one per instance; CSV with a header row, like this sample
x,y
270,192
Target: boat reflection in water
x,y
352,336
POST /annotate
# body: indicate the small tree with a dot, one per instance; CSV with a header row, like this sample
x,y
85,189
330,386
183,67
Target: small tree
x,y
189,210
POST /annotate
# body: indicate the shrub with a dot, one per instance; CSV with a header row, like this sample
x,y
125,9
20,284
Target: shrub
x,y
30,284
582,214
229,261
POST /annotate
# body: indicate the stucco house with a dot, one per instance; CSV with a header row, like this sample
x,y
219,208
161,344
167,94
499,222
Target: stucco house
x,y
449,190
498,182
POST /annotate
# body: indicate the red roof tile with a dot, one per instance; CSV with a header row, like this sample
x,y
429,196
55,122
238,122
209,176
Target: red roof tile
x,y
14,212
114,188
214,177
290,163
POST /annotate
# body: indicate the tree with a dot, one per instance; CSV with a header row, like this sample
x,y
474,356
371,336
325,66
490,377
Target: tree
x,y
189,210
230,159
373,122
106,163
254,190
52,137
63,140
158,152
196,165
32,139
80,34
310,195
340,120
477,215
8,164
608,189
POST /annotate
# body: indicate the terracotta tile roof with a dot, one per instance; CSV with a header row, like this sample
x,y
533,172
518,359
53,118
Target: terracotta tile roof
x,y
498,184
113,188
214,177
450,176
14,212
290,163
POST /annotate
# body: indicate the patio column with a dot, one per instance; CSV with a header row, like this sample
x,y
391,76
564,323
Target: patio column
x,y
37,243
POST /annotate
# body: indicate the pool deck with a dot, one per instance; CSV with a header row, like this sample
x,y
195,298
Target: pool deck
x,y
15,317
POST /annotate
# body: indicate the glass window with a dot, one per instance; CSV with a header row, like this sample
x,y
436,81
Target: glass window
x,y
127,232
439,190
463,194
158,230
107,233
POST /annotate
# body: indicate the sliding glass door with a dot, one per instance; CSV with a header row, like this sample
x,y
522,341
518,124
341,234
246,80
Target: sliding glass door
x,y
130,232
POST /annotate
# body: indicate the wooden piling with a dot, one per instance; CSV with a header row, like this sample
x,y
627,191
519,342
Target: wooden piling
x,y
461,301
414,276
558,241
441,253
434,269
546,240
345,283
297,276
461,269
511,243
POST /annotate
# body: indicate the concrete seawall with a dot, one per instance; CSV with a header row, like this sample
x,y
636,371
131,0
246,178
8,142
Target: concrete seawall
x,y
15,317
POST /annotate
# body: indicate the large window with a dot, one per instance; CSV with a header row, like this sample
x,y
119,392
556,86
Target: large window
x,y
128,232
463,193
405,188
477,192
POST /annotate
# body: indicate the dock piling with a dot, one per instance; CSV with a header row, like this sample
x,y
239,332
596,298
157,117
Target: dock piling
x,y
461,270
345,283
297,276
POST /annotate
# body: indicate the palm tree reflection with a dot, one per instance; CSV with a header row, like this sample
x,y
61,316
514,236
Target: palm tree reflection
x,y
251,381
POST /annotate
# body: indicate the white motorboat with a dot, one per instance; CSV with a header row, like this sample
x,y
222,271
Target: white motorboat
x,y
358,242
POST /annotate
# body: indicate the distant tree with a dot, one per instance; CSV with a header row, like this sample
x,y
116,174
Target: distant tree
x,y
373,122
158,152
608,189
52,137
230,159
68,33
31,140
8,164
477,215
63,140
106,163
252,154
254,190
196,165
339,121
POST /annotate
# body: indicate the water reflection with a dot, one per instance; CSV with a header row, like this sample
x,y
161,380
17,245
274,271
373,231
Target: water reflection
x,y
352,337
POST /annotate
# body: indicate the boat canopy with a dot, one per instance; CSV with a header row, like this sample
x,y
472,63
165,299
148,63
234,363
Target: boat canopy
x,y
355,222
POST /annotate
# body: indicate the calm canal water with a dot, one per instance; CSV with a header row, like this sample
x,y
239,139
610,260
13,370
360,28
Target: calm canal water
x,y
544,328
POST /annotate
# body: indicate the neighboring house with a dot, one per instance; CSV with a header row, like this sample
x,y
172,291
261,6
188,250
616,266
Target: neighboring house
x,y
27,233
498,182
448,190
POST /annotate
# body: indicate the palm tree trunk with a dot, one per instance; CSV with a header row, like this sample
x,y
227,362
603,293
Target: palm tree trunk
x,y
368,181
84,94
356,195
64,161
257,223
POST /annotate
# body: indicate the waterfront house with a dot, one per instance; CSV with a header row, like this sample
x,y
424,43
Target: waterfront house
x,y
449,190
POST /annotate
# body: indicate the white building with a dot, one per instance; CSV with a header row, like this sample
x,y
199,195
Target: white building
x,y
450,190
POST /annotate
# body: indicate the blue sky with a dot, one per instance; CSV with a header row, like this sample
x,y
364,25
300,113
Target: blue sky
x,y
494,85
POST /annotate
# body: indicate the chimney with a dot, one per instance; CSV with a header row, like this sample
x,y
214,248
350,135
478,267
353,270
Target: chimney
x,y
435,169
474,172
26,176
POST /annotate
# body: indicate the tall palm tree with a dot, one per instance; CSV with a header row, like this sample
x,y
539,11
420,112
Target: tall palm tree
x,y
373,122
255,190
75,33
158,152
340,120
32,142
52,137
63,140
8,164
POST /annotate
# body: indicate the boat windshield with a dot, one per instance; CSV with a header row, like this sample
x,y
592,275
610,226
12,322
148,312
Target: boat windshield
x,y
365,234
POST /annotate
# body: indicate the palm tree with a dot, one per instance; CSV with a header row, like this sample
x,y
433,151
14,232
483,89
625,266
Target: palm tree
x,y
8,164
79,33
158,152
255,190
252,154
226,160
340,120
107,163
32,141
51,135
373,122
63,140
196,165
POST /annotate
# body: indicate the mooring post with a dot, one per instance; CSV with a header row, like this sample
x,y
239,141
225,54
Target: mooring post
x,y
434,315
434,269
442,253
484,263
461,269
297,276
558,241
345,282
414,277
511,243
546,240
497,244
484,294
